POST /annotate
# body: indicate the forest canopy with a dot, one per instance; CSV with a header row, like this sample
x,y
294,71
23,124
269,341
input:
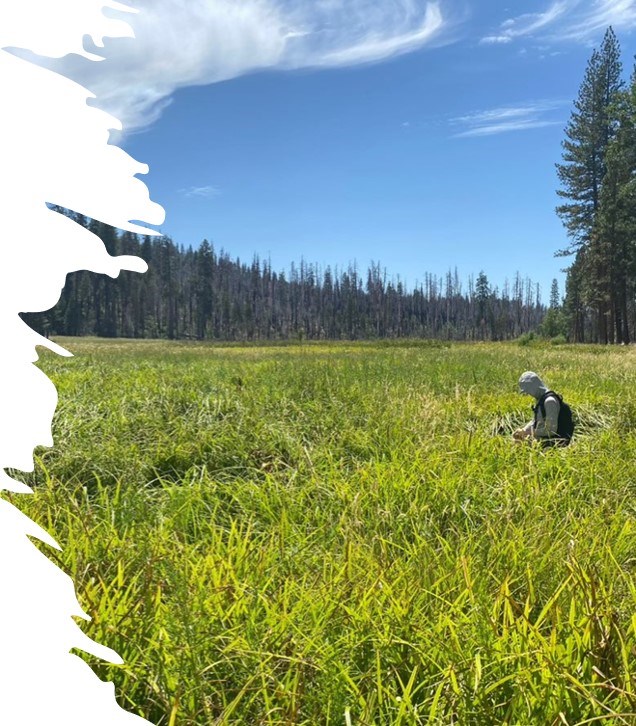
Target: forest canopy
x,y
203,294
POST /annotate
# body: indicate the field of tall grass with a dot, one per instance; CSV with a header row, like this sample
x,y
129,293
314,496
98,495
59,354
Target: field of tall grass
x,y
345,533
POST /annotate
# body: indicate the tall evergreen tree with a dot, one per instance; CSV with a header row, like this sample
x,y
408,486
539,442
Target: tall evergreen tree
x,y
616,226
482,297
588,133
592,126
555,299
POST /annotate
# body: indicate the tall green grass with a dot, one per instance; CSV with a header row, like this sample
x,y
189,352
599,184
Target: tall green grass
x,y
345,534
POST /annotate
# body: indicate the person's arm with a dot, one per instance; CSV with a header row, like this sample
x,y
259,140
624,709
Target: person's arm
x,y
548,427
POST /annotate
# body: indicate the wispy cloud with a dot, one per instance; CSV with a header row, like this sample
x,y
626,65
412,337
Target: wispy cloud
x,y
506,118
588,21
495,39
207,192
528,23
567,20
199,42
413,30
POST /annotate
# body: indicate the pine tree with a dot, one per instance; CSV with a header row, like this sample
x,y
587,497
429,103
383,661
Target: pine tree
x,y
551,324
482,297
616,227
555,299
588,133
592,126
203,288
573,307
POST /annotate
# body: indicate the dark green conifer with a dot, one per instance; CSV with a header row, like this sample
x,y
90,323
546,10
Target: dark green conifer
x,y
591,128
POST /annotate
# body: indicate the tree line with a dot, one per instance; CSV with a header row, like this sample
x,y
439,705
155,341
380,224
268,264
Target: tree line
x,y
598,185
203,294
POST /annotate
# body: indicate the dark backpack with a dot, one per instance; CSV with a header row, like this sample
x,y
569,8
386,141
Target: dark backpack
x,y
565,425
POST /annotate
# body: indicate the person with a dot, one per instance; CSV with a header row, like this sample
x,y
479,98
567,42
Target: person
x,y
542,428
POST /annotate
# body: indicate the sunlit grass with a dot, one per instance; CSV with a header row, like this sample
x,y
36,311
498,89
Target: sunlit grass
x,y
333,534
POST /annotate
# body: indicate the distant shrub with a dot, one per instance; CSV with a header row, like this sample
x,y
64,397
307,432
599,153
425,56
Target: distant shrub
x,y
526,338
558,340
553,324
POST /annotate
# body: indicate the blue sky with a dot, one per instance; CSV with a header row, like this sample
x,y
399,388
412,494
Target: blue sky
x,y
420,135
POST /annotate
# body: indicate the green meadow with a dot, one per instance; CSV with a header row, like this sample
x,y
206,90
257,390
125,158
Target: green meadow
x,y
344,533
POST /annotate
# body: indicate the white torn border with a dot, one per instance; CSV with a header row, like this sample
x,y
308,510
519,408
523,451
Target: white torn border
x,y
54,150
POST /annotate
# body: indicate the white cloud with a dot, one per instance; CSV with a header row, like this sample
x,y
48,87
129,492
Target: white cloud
x,y
207,192
496,39
567,20
506,119
520,125
199,42
620,14
528,23
379,44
